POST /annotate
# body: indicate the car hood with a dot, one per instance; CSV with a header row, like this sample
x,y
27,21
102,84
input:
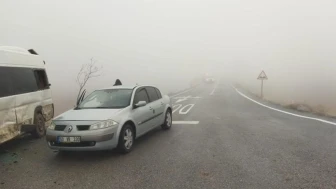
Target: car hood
x,y
88,114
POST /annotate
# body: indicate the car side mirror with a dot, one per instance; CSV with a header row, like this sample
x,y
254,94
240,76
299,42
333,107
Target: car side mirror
x,y
140,104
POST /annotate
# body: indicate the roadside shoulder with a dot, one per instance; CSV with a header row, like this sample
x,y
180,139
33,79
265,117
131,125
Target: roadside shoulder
x,y
282,109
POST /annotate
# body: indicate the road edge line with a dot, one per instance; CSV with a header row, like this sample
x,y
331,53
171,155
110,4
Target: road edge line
x,y
296,115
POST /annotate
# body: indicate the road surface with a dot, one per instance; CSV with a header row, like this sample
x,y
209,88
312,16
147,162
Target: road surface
x,y
219,140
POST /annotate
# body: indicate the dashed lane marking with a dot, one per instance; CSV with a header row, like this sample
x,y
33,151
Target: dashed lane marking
x,y
297,115
185,122
213,91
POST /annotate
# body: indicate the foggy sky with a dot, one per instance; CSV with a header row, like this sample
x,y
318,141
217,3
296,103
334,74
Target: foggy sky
x,y
168,42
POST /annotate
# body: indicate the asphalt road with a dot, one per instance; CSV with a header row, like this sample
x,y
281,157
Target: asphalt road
x,y
223,141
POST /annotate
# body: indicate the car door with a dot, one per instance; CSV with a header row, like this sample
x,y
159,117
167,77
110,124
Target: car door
x,y
142,115
8,125
162,106
155,104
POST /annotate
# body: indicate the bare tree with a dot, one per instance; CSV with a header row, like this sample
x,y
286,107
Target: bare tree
x,y
87,71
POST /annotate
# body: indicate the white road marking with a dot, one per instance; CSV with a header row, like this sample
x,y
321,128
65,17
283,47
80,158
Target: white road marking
x,y
182,92
297,115
186,122
189,106
182,99
187,97
174,107
213,91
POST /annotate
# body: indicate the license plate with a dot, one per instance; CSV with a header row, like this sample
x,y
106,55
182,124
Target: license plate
x,y
68,139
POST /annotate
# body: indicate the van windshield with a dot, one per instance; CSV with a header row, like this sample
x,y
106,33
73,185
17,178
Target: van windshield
x,y
107,98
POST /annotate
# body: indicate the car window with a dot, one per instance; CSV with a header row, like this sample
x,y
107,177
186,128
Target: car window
x,y
158,93
107,98
152,94
141,96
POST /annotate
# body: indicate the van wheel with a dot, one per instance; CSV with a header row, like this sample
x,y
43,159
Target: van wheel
x,y
40,129
168,121
126,139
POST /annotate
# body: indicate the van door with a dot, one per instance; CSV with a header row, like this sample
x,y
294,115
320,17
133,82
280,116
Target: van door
x,y
27,95
8,127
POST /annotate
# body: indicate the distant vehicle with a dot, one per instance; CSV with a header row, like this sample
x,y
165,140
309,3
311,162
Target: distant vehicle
x,y
25,95
110,118
208,79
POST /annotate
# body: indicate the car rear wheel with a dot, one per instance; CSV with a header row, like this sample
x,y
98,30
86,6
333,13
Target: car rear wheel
x,y
40,129
168,121
126,139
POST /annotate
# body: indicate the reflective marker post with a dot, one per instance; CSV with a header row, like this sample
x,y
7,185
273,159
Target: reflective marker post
x,y
262,76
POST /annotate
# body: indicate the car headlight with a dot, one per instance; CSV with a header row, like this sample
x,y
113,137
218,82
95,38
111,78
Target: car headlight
x,y
103,124
52,126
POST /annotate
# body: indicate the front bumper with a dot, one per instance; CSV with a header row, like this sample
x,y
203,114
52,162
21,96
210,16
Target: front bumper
x,y
91,140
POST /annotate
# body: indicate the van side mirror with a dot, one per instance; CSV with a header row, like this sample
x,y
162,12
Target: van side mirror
x,y
140,104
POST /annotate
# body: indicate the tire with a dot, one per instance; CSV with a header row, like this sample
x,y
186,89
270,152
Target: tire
x,y
40,129
126,139
168,121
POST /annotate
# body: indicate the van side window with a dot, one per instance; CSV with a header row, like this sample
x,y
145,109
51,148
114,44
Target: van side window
x,y
23,80
5,83
41,79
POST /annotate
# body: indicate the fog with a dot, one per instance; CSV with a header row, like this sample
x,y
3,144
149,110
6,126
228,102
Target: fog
x,y
168,43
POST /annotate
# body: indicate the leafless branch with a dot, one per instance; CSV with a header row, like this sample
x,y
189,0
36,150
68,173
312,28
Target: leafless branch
x,y
87,72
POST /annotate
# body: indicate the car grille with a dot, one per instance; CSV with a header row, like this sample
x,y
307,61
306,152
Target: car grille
x,y
60,127
80,144
83,127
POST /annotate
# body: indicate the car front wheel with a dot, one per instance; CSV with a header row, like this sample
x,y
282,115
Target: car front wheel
x,y
126,139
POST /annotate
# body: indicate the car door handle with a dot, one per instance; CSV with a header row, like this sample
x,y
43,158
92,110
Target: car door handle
x,y
152,109
162,103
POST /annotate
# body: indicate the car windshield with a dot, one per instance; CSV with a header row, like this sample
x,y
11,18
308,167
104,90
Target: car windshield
x,y
107,98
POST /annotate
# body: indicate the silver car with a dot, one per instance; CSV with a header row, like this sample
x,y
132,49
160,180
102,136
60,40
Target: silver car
x,y
110,118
